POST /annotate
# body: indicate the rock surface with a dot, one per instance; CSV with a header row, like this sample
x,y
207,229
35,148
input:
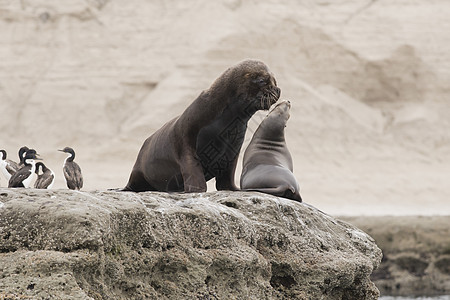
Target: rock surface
x,y
111,245
416,254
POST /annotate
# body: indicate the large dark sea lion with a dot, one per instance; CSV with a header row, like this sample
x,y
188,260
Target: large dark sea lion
x,y
267,164
205,140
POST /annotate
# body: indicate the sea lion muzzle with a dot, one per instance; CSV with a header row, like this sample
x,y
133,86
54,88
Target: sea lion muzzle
x,y
269,96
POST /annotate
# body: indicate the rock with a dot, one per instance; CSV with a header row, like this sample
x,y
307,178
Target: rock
x,y
416,253
221,245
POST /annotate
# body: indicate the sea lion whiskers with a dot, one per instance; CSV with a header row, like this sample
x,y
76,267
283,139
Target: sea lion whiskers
x,y
272,97
262,101
269,101
265,101
273,94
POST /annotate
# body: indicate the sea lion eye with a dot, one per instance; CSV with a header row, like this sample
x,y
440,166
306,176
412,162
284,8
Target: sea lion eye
x,y
260,81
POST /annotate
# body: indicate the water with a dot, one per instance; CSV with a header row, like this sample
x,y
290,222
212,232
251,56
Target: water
x,y
445,297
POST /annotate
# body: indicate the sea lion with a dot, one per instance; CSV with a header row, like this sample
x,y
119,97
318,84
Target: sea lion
x,y
205,140
267,164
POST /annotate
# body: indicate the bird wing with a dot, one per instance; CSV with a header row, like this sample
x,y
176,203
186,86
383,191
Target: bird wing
x,y
78,176
18,177
12,167
69,175
37,183
44,181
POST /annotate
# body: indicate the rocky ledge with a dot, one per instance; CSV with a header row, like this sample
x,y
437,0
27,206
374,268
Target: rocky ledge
x,y
62,244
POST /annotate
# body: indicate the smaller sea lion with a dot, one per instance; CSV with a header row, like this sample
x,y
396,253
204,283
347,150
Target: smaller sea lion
x,y
267,164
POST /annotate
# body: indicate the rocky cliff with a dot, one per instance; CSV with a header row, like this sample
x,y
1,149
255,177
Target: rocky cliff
x,y
116,245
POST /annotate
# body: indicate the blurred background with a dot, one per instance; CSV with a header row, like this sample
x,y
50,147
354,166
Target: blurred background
x,y
368,81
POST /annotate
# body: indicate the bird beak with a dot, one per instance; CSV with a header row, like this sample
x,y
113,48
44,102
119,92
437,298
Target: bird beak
x,y
38,157
60,150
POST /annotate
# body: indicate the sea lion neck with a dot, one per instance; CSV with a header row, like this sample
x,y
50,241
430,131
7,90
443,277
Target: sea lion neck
x,y
271,129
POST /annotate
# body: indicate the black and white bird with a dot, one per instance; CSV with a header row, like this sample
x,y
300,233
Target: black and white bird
x,y
24,176
72,171
22,151
45,177
7,166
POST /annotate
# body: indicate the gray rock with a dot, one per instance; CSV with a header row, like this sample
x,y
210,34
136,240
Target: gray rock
x,y
416,253
63,244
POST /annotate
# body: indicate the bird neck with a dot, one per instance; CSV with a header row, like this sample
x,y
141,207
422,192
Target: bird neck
x,y
22,153
39,168
29,162
70,157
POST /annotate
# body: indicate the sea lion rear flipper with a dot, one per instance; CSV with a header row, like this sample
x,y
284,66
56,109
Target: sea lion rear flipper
x,y
276,191
280,191
292,194
137,183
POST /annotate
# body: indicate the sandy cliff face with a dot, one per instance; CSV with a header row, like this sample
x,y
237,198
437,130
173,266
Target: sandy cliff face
x,y
368,84
221,245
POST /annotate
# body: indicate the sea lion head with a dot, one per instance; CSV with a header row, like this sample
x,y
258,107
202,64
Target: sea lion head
x,y
280,114
272,127
257,84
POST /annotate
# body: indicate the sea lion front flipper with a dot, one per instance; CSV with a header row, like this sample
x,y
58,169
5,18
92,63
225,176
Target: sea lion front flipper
x,y
226,180
192,172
